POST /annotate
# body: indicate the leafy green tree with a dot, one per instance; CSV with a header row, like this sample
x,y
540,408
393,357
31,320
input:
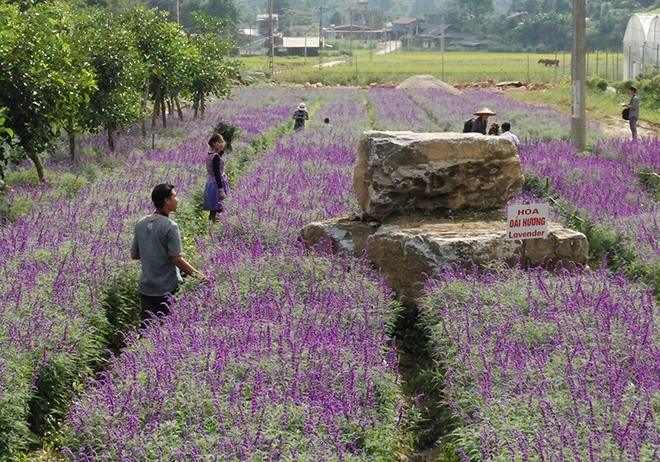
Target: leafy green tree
x,y
41,80
120,74
607,33
543,32
163,48
302,14
218,8
280,7
6,134
476,9
208,72
336,18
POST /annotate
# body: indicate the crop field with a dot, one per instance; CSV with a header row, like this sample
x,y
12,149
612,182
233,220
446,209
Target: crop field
x,y
451,67
290,355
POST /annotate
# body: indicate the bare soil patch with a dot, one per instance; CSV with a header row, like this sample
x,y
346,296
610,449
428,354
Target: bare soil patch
x,y
427,81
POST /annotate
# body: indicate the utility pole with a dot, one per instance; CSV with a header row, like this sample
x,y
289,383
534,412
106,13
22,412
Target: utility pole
x,y
351,32
442,44
321,41
271,54
578,76
176,11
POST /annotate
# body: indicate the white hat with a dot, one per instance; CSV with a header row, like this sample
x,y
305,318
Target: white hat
x,y
302,107
484,110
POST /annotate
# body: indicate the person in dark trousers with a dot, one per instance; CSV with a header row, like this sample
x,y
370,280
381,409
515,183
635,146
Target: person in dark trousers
x,y
633,105
217,184
480,123
300,116
157,244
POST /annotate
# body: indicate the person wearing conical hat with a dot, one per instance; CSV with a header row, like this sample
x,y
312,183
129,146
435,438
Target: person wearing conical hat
x,y
300,116
480,123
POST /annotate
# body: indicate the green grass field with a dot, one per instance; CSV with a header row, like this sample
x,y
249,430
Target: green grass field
x,y
366,67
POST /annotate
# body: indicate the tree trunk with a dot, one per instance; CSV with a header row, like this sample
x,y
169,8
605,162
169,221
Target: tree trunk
x,y
162,107
145,100
72,146
202,105
178,107
111,138
37,163
154,115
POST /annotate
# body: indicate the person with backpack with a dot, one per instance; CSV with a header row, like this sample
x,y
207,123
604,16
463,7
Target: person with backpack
x,y
480,123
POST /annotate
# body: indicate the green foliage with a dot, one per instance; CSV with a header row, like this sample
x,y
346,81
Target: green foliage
x,y
651,181
603,241
23,177
121,304
650,87
15,435
228,131
43,78
6,134
596,83
119,69
70,183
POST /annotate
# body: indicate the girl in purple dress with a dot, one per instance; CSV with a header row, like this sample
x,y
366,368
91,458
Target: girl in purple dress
x,y
217,186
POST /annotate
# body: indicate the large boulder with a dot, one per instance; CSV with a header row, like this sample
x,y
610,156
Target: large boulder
x,y
409,249
438,173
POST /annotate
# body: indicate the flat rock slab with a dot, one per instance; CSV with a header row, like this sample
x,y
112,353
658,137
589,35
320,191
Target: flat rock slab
x,y
407,251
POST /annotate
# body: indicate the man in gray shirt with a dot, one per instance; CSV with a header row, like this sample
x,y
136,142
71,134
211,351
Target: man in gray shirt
x,y
157,244
633,105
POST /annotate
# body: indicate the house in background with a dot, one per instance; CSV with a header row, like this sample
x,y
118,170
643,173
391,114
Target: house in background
x,y
354,32
299,46
405,26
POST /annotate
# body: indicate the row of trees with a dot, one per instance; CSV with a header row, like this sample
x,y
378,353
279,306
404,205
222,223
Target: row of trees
x,y
66,68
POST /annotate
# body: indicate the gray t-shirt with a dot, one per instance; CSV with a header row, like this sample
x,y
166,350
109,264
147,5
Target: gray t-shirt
x,y
634,107
157,240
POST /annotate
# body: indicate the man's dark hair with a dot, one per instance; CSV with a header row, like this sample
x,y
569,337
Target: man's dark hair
x,y
506,126
326,120
160,193
633,89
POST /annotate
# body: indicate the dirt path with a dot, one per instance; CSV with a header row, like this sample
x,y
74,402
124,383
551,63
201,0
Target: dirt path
x,y
616,127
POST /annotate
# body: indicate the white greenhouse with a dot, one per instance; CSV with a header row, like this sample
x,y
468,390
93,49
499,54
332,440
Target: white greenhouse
x,y
641,46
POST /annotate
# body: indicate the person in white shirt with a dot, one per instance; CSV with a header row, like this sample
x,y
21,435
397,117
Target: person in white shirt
x,y
506,126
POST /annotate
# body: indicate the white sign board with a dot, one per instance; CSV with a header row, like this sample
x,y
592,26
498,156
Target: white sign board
x,y
528,221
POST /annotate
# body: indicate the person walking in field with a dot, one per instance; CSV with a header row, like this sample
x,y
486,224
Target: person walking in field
x,y
300,116
506,133
157,244
633,105
217,184
480,123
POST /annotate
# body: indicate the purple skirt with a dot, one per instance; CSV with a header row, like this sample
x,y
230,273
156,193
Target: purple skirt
x,y
212,199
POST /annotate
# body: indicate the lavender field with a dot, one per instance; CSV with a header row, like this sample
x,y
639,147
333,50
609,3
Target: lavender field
x,y
287,355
